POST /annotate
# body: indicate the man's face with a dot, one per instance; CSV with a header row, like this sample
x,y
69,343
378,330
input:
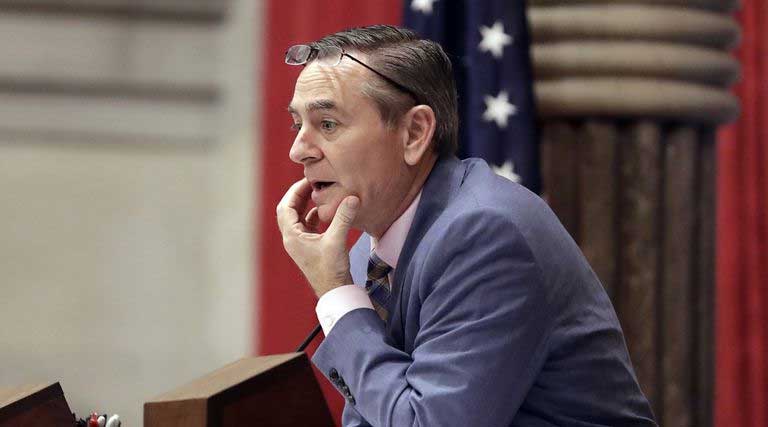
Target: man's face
x,y
343,144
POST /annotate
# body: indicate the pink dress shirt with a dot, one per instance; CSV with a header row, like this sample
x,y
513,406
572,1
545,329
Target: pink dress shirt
x,y
336,303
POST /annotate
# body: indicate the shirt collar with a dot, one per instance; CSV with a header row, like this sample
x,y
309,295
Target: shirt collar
x,y
390,245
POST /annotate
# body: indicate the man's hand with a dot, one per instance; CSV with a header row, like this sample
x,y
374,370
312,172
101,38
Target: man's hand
x,y
322,257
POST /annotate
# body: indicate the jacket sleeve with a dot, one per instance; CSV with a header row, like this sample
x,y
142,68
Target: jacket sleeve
x,y
351,418
482,337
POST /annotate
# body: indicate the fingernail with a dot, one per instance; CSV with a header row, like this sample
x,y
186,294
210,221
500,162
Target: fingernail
x,y
353,202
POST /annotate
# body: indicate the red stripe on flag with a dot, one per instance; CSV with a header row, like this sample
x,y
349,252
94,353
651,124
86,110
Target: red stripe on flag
x,y
741,380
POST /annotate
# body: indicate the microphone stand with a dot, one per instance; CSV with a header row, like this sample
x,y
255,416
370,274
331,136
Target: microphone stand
x,y
309,339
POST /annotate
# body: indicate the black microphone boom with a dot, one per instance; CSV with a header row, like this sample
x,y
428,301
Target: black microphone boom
x,y
309,339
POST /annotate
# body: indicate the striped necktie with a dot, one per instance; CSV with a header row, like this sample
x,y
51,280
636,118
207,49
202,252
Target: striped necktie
x,y
377,285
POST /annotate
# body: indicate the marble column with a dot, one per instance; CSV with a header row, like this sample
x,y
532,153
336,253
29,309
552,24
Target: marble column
x,y
630,94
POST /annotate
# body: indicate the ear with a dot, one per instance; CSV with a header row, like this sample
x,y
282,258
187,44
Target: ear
x,y
419,125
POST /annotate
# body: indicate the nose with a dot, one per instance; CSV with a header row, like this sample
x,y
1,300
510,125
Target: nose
x,y
304,150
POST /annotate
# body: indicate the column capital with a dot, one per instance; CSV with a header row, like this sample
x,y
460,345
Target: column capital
x,y
630,58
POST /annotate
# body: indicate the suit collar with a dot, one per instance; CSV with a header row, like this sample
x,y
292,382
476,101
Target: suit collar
x,y
441,185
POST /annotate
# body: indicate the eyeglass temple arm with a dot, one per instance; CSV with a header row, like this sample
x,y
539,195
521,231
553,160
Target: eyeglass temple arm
x,y
398,85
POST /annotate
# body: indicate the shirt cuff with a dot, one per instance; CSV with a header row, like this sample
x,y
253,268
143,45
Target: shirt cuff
x,y
339,301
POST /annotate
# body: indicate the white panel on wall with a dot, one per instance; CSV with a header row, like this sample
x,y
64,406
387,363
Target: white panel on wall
x,y
121,119
91,49
119,70
126,269
174,6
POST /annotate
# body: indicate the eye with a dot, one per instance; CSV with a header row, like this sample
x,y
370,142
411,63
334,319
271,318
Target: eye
x,y
328,125
296,127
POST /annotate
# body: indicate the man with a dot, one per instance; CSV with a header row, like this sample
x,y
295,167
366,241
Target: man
x,y
464,302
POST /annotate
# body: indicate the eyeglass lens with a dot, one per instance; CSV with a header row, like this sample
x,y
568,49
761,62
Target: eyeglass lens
x,y
297,55
301,54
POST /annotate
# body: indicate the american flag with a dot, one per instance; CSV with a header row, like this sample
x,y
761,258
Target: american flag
x,y
488,43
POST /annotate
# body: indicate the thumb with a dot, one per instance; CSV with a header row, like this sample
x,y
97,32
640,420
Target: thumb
x,y
345,215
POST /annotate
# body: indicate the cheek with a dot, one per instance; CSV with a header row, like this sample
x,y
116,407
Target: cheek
x,y
380,178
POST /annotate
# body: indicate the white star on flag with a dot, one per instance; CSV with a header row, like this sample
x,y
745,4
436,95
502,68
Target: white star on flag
x,y
498,109
507,170
422,5
494,39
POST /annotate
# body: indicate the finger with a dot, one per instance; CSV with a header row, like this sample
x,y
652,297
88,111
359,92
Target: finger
x,y
288,221
296,197
286,217
312,219
293,202
344,217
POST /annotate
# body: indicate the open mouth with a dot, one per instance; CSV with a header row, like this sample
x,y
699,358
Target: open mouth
x,y
321,185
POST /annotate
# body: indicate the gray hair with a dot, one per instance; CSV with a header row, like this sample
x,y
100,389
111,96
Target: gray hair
x,y
402,56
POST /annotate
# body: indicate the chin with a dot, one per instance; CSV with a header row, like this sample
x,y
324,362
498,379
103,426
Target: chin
x,y
326,212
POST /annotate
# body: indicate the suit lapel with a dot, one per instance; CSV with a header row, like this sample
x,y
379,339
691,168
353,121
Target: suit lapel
x,y
443,182
441,186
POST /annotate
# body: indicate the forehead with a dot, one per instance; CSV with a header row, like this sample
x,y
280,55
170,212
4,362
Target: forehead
x,y
342,84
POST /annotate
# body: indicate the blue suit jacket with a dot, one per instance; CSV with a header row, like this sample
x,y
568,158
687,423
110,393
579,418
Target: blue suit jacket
x,y
496,319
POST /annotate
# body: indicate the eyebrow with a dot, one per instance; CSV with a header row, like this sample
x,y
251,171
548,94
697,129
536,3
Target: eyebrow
x,y
321,104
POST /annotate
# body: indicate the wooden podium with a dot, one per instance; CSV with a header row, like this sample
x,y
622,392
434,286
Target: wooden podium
x,y
34,406
278,390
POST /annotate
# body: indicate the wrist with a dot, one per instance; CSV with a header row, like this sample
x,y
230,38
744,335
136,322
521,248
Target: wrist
x,y
320,291
332,284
